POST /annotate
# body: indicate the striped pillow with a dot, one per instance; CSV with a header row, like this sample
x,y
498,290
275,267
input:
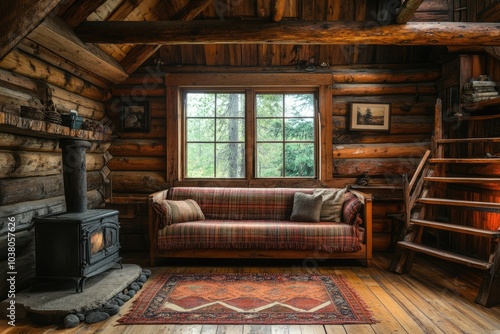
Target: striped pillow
x,y
173,212
351,211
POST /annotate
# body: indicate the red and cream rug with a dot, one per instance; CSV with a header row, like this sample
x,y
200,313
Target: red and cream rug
x,y
248,299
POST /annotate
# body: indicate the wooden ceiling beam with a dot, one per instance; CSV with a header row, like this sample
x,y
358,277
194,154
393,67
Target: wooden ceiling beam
x,y
289,32
140,53
79,11
57,37
407,11
19,18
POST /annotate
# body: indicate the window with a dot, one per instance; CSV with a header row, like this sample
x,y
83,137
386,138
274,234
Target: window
x,y
285,135
277,136
215,135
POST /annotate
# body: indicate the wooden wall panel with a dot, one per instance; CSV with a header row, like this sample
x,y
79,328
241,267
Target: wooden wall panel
x,y
139,159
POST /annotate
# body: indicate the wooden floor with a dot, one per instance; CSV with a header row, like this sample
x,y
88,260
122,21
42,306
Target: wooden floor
x,y
433,298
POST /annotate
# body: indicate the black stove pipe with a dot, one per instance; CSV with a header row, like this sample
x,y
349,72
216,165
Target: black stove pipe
x,y
74,174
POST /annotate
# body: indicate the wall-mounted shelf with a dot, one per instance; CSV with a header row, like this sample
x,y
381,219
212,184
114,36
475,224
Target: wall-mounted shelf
x,y
30,127
482,104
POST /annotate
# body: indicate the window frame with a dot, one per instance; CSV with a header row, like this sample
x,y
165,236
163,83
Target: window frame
x,y
250,131
319,82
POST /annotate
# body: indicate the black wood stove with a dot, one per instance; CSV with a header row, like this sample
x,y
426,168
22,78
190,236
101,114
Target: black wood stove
x,y
78,243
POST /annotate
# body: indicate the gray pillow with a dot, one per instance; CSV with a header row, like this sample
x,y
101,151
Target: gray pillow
x,y
333,199
306,208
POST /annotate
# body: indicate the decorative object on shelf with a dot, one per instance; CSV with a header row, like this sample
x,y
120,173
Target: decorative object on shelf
x,y
363,180
479,89
72,120
97,127
370,116
33,113
135,117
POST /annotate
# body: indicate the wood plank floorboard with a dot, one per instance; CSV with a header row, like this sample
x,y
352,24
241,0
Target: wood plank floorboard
x,y
434,297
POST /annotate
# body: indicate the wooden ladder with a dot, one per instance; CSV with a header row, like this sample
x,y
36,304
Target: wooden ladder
x,y
426,193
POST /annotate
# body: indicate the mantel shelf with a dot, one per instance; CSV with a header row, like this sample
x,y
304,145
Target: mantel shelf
x,y
30,127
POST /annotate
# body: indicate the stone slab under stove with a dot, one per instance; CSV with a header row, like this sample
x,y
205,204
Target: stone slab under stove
x,y
59,298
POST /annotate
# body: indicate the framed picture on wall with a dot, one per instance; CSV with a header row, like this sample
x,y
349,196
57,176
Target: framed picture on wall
x,y
135,117
370,116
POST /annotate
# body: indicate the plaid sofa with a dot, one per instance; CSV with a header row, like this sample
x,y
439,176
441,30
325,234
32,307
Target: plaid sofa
x,y
253,222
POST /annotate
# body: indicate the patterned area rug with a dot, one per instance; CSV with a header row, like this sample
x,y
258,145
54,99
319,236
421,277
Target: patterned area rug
x,y
247,299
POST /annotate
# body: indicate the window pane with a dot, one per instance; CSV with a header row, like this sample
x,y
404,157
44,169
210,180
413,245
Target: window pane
x,y
200,160
230,105
299,105
200,129
270,160
200,105
231,129
299,160
269,105
299,129
230,160
269,129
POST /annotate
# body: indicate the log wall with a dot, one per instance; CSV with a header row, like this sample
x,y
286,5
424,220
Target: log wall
x,y
140,160
31,181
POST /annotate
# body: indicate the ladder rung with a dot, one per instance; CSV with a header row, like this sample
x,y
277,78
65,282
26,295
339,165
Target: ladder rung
x,y
489,206
457,228
468,140
446,255
465,160
452,179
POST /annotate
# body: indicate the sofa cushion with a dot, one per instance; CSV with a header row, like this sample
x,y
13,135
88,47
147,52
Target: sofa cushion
x,y
306,208
261,234
333,198
351,210
174,212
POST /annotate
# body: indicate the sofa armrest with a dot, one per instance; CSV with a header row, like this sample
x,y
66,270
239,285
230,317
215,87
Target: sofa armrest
x,y
153,219
367,219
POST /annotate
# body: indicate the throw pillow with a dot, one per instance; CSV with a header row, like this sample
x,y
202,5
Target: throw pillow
x,y
331,210
351,211
174,212
306,208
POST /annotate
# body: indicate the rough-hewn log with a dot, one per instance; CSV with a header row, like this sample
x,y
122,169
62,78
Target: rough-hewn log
x,y
385,75
35,188
140,53
407,11
24,164
62,66
384,89
290,32
24,212
30,143
399,124
363,151
56,36
34,61
138,147
138,182
391,166
23,239
19,18
137,163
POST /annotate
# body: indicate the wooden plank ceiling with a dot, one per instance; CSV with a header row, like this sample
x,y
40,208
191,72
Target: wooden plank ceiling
x,y
89,34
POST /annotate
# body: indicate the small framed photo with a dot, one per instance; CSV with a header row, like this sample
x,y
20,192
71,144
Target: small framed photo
x,y
135,117
370,116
